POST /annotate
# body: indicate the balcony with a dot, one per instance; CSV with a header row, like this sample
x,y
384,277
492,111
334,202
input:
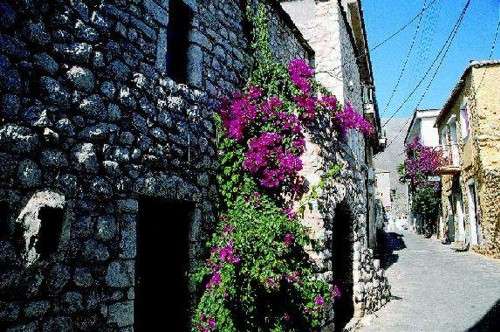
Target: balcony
x,y
450,157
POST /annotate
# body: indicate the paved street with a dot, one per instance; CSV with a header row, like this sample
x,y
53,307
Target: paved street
x,y
437,289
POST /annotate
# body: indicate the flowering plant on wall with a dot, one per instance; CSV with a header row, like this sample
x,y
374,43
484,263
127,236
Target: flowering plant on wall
x,y
420,164
258,275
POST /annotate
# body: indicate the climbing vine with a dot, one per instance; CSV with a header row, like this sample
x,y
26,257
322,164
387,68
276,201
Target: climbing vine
x,y
420,164
258,276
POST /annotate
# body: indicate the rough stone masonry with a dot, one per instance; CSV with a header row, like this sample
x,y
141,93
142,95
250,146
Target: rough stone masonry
x,y
90,122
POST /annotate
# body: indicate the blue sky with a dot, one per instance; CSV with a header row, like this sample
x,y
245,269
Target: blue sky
x,y
473,41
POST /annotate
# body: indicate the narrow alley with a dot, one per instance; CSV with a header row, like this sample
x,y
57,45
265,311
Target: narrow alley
x,y
437,289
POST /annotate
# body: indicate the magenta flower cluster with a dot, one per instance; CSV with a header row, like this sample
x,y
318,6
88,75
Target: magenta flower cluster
x,y
273,154
289,239
349,118
269,159
208,324
272,130
301,74
220,256
421,162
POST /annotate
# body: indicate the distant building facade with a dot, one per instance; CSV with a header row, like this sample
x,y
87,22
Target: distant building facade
x,y
383,188
422,127
469,129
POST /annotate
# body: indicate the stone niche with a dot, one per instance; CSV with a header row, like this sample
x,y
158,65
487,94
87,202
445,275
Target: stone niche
x,y
44,226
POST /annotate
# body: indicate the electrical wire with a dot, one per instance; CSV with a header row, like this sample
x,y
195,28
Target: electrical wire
x,y
492,49
332,73
445,48
405,61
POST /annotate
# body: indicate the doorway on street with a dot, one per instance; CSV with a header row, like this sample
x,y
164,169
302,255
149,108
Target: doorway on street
x,y
162,265
473,212
343,265
458,212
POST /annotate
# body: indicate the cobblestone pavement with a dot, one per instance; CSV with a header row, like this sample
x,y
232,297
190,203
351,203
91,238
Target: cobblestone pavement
x,y
437,289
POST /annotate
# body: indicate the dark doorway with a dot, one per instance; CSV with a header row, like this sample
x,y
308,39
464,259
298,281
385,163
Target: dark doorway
x,y
4,220
342,266
161,293
51,221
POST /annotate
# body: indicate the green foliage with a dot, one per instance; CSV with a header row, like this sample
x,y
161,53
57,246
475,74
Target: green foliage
x,y
255,294
402,173
426,202
315,190
258,276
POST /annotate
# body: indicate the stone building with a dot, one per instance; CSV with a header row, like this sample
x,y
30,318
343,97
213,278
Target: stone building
x,y
469,131
107,159
335,31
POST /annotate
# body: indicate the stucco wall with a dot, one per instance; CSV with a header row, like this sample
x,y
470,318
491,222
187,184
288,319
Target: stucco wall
x,y
479,155
486,138
429,133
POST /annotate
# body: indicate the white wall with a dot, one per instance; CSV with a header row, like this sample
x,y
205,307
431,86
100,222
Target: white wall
x,y
383,188
428,133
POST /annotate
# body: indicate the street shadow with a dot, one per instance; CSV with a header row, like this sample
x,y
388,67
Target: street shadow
x,y
389,243
490,322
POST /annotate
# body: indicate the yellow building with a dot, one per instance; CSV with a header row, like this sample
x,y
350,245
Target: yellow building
x,y
469,130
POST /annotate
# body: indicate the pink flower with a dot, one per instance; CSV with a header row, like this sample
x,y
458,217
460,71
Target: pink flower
x,y
226,254
290,213
329,102
293,277
349,118
299,144
289,239
318,300
308,105
335,292
228,229
271,178
214,280
290,163
212,323
254,92
300,73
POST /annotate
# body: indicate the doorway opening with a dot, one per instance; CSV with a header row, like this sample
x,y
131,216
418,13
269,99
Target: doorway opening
x,y
343,266
162,264
51,222
4,220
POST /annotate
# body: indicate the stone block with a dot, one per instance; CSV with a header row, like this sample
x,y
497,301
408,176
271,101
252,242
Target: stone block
x,y
121,314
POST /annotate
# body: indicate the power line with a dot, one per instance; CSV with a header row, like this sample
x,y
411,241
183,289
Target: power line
x,y
492,49
424,42
445,48
405,61
332,73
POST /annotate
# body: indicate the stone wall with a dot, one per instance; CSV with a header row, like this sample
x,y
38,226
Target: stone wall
x,y
90,124
326,27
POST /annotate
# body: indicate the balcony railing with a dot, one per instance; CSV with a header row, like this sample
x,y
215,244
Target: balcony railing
x,y
450,158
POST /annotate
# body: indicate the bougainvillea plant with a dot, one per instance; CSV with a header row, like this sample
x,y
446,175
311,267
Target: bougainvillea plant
x,y
258,276
421,164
